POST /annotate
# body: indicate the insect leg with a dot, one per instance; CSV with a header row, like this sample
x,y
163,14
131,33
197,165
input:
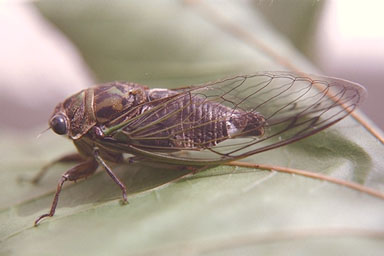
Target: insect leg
x,y
112,175
81,170
75,157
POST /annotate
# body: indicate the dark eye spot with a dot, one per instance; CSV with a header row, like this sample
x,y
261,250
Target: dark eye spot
x,y
58,124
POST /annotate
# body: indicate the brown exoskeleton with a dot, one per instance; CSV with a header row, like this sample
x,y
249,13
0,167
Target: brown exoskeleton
x,y
216,122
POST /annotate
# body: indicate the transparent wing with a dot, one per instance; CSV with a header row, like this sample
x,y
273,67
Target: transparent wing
x,y
290,106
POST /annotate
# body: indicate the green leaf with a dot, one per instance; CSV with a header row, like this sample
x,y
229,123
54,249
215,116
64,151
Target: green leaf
x,y
221,211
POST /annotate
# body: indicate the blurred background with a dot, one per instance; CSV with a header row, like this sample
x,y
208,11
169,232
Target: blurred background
x,y
51,49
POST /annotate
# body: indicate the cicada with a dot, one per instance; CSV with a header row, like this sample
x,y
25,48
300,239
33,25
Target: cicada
x,y
200,125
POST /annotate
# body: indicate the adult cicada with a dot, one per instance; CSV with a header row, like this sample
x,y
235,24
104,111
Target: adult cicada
x,y
201,125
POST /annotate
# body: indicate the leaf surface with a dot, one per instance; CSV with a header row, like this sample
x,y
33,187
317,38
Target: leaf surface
x,y
221,211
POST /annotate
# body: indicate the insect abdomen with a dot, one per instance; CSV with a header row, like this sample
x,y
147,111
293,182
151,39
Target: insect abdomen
x,y
191,121
213,123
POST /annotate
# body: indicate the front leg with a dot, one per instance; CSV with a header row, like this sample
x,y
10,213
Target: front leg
x,y
80,171
70,158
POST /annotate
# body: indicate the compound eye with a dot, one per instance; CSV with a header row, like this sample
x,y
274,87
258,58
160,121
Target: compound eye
x,y
58,124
